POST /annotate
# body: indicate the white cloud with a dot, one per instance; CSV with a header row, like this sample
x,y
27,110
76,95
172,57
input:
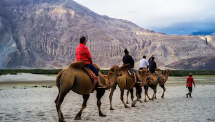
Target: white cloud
x,y
155,14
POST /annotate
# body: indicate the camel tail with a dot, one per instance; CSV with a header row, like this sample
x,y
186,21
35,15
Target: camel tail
x,y
58,78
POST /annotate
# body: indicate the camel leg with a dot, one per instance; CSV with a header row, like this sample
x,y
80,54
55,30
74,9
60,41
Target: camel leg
x,y
121,97
164,89
146,93
85,97
138,93
57,96
99,95
127,97
155,91
154,94
132,97
111,95
58,102
153,88
132,94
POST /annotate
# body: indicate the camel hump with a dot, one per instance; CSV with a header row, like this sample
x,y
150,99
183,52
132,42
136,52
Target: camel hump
x,y
143,71
125,67
77,65
81,64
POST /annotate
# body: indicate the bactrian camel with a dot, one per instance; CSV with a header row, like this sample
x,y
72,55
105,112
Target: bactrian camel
x,y
143,74
125,81
152,83
76,79
163,78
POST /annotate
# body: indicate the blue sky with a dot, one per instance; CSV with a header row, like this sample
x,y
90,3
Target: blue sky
x,y
168,16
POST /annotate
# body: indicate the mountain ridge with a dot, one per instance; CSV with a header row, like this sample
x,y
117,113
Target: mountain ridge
x,y
46,32
197,63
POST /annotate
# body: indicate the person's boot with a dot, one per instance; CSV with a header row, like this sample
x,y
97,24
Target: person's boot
x,y
187,95
159,81
190,95
101,86
99,83
139,81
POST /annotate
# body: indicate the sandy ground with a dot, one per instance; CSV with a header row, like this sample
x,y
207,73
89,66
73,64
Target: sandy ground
x,y
25,77
23,103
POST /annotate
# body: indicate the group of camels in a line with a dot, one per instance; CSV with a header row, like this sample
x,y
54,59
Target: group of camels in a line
x,y
76,79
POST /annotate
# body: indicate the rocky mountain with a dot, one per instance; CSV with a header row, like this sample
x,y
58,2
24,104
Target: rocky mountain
x,y
45,33
199,63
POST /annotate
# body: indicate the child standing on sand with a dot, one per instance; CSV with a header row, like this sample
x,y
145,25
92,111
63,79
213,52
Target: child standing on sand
x,y
190,82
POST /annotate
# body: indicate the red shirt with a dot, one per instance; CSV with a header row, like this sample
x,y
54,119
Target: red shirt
x,y
190,81
82,54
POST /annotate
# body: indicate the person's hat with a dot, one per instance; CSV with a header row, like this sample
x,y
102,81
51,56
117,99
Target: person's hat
x,y
126,51
190,74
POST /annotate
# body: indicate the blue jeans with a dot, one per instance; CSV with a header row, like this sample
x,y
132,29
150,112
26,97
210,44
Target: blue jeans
x,y
93,68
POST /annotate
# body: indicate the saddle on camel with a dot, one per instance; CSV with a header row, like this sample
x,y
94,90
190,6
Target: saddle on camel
x,y
76,78
125,81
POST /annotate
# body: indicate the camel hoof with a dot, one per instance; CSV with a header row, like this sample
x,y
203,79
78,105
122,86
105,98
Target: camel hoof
x,y
112,109
77,118
127,107
101,114
145,101
133,104
127,103
62,120
141,101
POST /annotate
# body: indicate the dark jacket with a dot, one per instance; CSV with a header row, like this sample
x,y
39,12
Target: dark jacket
x,y
152,64
128,59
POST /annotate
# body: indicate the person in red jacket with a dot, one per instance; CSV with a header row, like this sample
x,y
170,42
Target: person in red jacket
x,y
190,82
83,54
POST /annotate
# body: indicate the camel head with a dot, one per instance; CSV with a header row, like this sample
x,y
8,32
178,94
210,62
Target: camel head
x,y
167,72
115,69
113,73
144,73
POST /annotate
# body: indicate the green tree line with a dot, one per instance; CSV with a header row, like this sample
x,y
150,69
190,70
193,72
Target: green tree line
x,y
55,71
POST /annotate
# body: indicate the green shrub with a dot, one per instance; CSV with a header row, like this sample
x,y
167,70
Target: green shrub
x,y
56,71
